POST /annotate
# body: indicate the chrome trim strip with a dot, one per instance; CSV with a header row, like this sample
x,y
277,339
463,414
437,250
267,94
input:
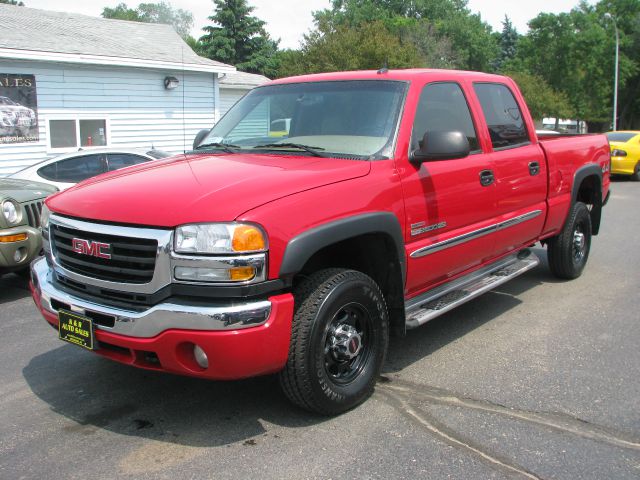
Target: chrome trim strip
x,y
452,242
207,316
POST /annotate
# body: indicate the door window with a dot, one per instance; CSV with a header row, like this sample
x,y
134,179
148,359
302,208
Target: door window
x,y
503,116
443,107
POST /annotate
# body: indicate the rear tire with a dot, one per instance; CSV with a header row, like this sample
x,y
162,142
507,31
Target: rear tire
x,y
568,252
339,341
636,173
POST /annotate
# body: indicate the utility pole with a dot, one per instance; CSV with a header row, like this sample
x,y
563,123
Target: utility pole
x,y
615,81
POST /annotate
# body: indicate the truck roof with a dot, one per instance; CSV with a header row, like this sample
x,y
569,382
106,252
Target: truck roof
x,y
403,75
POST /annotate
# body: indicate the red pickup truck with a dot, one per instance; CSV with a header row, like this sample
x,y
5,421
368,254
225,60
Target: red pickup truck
x,y
390,198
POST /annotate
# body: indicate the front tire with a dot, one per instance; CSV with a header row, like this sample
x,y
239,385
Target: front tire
x,y
339,341
568,252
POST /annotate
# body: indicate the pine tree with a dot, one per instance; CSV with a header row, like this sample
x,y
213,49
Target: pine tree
x,y
239,39
508,42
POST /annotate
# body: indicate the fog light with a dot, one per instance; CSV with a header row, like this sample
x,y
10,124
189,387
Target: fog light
x,y
20,254
200,356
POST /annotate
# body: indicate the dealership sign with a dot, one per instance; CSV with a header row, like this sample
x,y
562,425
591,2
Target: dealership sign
x,y
18,108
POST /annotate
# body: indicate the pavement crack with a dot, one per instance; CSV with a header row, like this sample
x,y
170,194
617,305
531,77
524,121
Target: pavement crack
x,y
450,437
556,421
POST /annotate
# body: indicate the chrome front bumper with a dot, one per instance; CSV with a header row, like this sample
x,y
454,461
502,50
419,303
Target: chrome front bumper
x,y
196,315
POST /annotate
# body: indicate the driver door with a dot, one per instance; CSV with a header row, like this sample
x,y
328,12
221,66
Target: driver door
x,y
447,203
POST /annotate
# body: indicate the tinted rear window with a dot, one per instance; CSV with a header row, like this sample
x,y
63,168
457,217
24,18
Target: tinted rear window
x,y
73,170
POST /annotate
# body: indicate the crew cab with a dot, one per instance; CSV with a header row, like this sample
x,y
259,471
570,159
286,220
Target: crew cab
x,y
393,197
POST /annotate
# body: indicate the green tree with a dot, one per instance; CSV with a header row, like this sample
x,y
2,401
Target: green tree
x,y
13,2
627,16
162,12
368,46
240,39
469,41
507,41
542,100
573,52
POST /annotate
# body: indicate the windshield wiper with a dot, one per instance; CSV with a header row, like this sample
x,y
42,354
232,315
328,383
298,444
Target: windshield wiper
x,y
227,147
307,148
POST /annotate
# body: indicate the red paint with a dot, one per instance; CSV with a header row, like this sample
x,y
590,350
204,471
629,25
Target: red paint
x,y
288,195
232,354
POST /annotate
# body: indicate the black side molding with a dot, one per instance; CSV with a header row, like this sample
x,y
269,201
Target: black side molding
x,y
301,248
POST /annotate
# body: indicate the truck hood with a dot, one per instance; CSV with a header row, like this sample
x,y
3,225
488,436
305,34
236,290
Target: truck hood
x,y
199,188
24,190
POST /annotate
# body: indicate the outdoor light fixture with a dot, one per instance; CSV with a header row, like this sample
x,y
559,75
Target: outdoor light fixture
x,y
171,82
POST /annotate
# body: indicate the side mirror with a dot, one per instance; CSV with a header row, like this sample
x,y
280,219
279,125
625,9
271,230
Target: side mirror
x,y
438,145
199,137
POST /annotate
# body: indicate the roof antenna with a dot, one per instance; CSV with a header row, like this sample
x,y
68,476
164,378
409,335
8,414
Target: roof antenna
x,y
385,67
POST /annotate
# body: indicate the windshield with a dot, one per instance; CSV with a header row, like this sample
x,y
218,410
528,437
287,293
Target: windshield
x,y
620,137
344,118
6,101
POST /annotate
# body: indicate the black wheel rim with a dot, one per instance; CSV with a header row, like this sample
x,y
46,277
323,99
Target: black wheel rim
x,y
348,343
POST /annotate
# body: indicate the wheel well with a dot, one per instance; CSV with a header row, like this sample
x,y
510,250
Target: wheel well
x,y
590,193
374,255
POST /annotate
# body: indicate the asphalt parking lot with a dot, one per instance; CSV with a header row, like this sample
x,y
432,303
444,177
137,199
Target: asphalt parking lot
x,y
538,379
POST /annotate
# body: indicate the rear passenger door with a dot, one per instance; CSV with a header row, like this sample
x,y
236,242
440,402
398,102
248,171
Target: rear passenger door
x,y
519,169
446,203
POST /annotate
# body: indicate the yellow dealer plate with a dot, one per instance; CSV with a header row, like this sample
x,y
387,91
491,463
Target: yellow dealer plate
x,y
76,329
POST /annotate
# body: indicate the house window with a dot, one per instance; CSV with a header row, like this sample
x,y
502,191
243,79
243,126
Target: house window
x,y
69,134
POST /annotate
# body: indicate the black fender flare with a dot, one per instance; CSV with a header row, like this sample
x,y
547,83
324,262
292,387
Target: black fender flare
x,y
596,212
302,247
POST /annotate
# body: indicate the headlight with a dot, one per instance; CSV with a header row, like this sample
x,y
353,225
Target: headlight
x,y
11,212
618,153
219,238
44,217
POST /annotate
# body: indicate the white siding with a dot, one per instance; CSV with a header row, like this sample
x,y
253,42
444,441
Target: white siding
x,y
138,109
228,97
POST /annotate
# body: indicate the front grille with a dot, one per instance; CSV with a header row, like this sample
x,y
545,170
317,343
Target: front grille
x,y
132,260
33,210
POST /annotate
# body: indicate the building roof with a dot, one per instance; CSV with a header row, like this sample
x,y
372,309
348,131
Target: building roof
x,y
242,80
31,34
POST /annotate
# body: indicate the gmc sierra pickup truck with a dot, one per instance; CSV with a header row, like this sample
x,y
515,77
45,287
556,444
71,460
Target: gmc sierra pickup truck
x,y
391,198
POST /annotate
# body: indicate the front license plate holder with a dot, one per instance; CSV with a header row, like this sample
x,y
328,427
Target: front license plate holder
x,y
77,329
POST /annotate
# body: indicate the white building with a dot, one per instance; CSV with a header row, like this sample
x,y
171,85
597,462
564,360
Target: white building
x,y
71,81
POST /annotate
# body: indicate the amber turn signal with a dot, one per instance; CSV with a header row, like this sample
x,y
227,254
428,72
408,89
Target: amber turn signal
x,y
240,274
247,238
18,237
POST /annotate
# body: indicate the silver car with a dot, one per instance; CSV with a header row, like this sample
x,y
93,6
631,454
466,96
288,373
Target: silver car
x,y
66,170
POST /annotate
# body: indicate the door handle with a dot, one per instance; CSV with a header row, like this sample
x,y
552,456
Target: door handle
x,y
486,178
534,168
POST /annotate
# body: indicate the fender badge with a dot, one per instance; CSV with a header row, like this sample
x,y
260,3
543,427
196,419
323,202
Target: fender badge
x,y
419,229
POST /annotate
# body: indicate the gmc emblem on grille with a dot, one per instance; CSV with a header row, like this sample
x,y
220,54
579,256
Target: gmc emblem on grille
x,y
94,249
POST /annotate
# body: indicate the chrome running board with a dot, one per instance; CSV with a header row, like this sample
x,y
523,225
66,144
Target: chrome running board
x,y
446,297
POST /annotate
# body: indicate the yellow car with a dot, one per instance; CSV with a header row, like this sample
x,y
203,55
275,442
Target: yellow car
x,y
625,153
